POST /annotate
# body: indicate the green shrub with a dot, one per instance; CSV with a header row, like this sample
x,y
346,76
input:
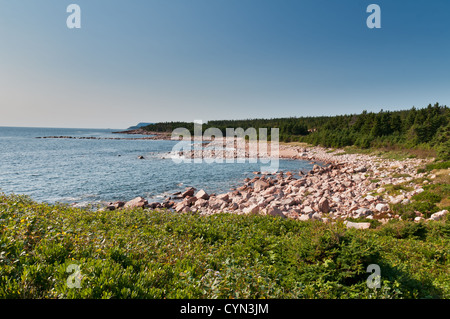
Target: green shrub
x,y
160,254
427,196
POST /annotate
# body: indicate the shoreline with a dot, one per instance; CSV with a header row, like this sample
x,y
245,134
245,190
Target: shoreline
x,y
346,186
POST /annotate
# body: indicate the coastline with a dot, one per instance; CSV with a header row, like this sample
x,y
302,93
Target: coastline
x,y
346,186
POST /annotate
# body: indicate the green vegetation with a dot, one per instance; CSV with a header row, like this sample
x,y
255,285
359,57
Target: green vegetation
x,y
414,132
432,166
160,254
434,198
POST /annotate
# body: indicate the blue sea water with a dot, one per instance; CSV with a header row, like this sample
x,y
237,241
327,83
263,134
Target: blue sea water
x,y
87,171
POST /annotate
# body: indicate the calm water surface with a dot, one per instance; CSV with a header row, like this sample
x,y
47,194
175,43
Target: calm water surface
x,y
89,171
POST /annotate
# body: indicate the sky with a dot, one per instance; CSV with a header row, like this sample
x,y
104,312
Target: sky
x,y
184,60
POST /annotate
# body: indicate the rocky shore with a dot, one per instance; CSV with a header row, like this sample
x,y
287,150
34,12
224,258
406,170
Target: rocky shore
x,y
346,186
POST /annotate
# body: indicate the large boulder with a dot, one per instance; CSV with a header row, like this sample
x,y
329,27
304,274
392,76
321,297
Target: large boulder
x,y
201,194
201,203
305,217
224,197
357,225
307,210
180,206
260,185
137,202
324,205
189,200
273,211
382,207
189,192
252,209
439,215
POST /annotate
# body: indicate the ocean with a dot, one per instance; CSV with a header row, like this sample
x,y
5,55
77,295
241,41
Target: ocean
x,y
89,171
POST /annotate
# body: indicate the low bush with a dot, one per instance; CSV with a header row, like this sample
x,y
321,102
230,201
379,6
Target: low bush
x,y
47,249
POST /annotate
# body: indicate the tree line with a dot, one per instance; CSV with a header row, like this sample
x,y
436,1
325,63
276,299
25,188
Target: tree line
x,y
425,128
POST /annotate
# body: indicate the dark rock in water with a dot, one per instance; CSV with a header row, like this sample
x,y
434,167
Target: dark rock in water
x,y
141,157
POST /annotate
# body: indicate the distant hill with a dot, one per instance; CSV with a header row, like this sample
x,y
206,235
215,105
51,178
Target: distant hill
x,y
139,125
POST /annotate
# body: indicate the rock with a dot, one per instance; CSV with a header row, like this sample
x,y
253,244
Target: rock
x,y
179,207
201,202
357,225
395,200
336,199
168,204
154,205
324,206
307,210
305,217
273,211
288,201
316,216
260,185
382,207
137,202
381,190
406,201
216,203
418,219
360,169
363,212
224,197
119,204
252,209
269,191
188,192
189,200
439,215
141,157
201,194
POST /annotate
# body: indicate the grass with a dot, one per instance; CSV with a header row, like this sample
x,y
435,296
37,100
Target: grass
x,y
160,254
397,189
391,153
435,197
441,165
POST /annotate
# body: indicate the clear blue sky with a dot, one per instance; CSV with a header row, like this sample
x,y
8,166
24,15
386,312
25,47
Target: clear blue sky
x,y
162,60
